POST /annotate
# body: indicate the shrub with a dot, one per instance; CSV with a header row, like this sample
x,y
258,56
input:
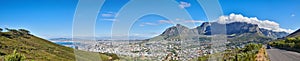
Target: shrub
x,y
14,57
290,40
252,46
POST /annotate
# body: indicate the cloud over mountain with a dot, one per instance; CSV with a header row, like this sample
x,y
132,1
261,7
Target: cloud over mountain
x,y
184,4
266,24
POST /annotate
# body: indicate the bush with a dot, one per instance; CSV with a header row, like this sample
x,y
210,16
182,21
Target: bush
x,y
297,45
290,40
252,46
14,57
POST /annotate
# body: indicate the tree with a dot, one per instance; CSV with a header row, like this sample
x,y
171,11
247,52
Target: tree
x,y
15,32
11,30
23,31
6,29
1,29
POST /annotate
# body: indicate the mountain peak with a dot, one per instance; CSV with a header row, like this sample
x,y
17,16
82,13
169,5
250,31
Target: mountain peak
x,y
176,30
178,25
205,24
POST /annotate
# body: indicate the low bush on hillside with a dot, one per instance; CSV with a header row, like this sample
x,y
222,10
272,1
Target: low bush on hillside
x,y
14,57
248,53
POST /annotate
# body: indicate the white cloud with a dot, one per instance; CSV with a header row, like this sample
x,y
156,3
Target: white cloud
x,y
165,21
155,23
266,24
113,20
293,15
170,22
108,14
148,23
184,4
142,25
180,21
194,21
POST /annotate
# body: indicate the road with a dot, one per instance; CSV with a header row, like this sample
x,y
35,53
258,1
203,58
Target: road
x,y
282,55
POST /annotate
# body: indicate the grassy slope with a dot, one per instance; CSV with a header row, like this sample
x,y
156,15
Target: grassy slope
x,y
248,37
38,49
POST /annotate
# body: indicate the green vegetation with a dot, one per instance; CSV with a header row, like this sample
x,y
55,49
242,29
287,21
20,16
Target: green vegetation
x,y
248,53
290,43
14,57
38,49
248,37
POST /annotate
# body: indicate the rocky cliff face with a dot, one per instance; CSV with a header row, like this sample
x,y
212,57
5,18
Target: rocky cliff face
x,y
273,34
203,29
241,27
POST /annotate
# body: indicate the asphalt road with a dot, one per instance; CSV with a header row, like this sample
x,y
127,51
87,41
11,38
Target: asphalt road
x,y
282,55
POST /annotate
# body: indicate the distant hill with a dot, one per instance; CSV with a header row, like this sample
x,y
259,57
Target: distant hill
x,y
235,31
60,39
38,49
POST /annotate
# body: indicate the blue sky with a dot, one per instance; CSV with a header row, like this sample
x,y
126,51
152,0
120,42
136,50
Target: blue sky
x,y
53,18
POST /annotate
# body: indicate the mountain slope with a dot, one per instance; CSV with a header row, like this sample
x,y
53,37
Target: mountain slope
x,y
295,34
273,34
35,48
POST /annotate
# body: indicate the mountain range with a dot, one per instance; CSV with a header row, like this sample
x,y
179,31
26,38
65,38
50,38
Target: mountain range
x,y
235,31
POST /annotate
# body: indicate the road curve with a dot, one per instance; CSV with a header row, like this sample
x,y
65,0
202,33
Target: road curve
x,y
282,55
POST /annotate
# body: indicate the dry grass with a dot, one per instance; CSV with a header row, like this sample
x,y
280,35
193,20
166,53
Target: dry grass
x,y
262,55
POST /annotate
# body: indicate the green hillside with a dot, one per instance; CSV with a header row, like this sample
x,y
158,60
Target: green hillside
x,y
38,49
